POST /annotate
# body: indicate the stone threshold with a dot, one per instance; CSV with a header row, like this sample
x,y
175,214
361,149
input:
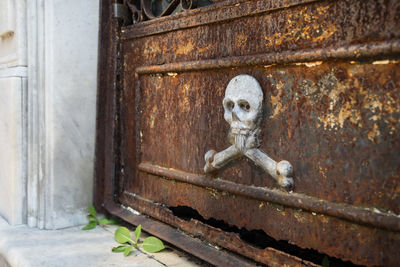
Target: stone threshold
x,y
21,246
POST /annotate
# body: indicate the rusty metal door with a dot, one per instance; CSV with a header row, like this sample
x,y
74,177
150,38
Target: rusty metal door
x,y
320,178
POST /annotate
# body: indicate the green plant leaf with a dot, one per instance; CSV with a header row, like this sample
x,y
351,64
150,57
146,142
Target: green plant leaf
x,y
127,251
92,219
122,235
138,231
89,226
153,244
109,221
92,211
118,249
114,221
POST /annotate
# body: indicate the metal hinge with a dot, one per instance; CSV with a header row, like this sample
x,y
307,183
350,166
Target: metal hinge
x,y
122,12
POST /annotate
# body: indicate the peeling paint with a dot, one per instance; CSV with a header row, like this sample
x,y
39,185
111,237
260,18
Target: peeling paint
x,y
322,171
386,61
300,217
312,28
151,48
184,104
241,39
153,115
337,119
342,100
276,103
374,133
309,64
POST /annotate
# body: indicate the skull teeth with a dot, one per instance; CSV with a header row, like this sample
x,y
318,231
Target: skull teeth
x,y
240,142
239,131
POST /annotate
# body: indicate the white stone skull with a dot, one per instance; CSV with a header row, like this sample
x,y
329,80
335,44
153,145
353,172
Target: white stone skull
x,y
243,104
242,110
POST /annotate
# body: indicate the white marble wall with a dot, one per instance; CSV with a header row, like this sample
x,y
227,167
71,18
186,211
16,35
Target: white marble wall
x,y
12,180
12,33
47,111
13,89
71,107
61,188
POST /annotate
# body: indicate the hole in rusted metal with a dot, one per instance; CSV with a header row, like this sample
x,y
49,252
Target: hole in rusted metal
x,y
259,238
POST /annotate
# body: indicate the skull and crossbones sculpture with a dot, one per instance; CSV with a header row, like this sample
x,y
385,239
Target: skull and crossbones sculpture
x,y
243,111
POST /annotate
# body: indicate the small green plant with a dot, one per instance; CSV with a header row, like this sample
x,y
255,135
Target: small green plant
x,y
94,221
122,235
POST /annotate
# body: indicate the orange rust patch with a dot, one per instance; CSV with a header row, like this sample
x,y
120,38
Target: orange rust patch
x,y
241,39
151,48
185,49
303,25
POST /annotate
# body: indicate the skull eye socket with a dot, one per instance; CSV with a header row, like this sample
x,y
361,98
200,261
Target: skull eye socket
x,y
244,105
229,105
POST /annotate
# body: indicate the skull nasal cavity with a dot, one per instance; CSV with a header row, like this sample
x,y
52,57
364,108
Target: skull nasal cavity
x,y
235,117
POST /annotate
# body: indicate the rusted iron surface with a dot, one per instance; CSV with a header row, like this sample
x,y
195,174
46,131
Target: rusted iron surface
x,y
357,52
195,246
319,24
360,215
106,112
330,75
231,241
219,11
335,237
321,115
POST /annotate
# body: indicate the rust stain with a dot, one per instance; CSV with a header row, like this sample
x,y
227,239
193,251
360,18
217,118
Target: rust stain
x,y
185,48
151,48
206,48
153,115
374,133
184,103
276,101
241,39
336,110
343,100
349,111
300,216
322,10
309,87
324,33
322,171
278,107
303,25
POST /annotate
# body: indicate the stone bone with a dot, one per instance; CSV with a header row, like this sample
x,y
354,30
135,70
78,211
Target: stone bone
x,y
243,111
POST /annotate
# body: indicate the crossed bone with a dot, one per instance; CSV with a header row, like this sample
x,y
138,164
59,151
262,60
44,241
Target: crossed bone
x,y
242,110
281,171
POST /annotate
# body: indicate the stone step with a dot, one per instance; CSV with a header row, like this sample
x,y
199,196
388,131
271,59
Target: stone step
x,y
21,246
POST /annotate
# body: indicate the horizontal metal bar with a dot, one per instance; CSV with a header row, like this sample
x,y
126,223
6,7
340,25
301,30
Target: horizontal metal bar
x,y
229,240
352,213
353,52
215,13
172,235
